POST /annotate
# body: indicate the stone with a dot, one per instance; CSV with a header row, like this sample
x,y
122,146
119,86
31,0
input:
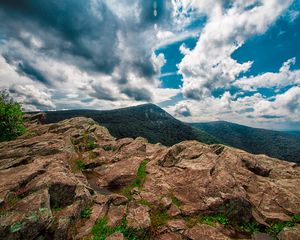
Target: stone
x,y
290,233
176,225
204,232
40,179
138,216
115,236
115,215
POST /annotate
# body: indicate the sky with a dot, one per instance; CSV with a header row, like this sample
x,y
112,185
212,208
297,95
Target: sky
x,y
199,60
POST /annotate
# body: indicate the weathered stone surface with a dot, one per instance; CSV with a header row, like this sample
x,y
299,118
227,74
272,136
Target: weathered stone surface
x,y
204,232
115,236
138,216
261,236
176,225
115,215
290,233
55,171
170,236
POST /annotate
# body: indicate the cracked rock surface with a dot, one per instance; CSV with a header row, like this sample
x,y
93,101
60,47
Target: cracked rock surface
x,y
53,174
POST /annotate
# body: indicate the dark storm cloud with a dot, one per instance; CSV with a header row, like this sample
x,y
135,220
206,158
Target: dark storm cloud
x,y
25,69
85,34
76,31
138,94
102,93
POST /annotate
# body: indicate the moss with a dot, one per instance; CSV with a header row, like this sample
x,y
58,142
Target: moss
x,y
211,220
91,144
86,213
80,165
176,201
17,226
101,231
145,203
159,217
137,182
250,227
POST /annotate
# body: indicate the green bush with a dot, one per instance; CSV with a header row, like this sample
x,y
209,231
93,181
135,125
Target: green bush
x,y
11,118
86,213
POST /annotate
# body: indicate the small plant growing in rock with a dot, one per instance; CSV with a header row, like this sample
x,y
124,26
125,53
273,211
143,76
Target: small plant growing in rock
x,y
80,165
91,144
137,182
176,201
16,227
86,212
101,231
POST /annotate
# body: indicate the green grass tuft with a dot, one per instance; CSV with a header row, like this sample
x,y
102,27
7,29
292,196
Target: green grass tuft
x,y
137,182
86,212
176,201
101,231
159,217
80,165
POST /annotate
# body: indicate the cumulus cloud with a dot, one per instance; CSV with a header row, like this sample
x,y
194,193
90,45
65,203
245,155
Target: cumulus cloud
x,y
283,78
103,47
210,65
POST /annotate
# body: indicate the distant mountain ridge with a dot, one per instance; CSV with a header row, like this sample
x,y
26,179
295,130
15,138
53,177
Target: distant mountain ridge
x,y
255,140
147,120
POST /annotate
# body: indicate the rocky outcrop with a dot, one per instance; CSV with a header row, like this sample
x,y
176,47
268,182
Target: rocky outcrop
x,y
73,180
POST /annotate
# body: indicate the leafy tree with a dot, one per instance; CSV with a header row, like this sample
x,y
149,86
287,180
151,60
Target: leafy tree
x,y
11,118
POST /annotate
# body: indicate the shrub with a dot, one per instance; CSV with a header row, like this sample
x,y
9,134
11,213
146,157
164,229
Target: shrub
x,y
86,213
11,118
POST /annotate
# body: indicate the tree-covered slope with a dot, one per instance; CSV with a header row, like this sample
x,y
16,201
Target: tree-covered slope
x,y
148,121
254,140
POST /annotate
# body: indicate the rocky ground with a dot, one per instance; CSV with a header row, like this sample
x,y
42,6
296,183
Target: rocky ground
x,y
73,180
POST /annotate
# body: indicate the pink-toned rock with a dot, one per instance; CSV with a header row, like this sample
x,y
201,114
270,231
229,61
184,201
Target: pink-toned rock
x,y
173,211
138,216
204,232
115,236
166,202
176,225
170,236
290,233
115,215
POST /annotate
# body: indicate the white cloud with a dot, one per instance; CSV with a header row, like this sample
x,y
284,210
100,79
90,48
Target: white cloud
x,y
209,65
284,77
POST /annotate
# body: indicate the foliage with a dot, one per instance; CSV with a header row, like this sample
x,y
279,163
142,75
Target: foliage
x,y
137,182
176,201
100,230
159,217
148,121
86,212
272,143
80,165
206,219
250,227
11,118
91,144
17,226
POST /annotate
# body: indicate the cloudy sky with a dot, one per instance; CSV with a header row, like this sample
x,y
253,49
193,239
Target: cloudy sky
x,y
200,60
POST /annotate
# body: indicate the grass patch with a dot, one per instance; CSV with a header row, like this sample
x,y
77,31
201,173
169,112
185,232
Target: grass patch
x,y
137,182
211,220
176,201
145,203
86,213
80,165
159,217
17,226
250,227
91,144
101,231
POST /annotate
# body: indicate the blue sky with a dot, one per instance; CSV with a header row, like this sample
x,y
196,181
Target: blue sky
x,y
200,60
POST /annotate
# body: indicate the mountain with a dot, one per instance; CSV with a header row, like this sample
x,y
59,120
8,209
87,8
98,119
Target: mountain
x,y
255,140
73,180
297,133
147,120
